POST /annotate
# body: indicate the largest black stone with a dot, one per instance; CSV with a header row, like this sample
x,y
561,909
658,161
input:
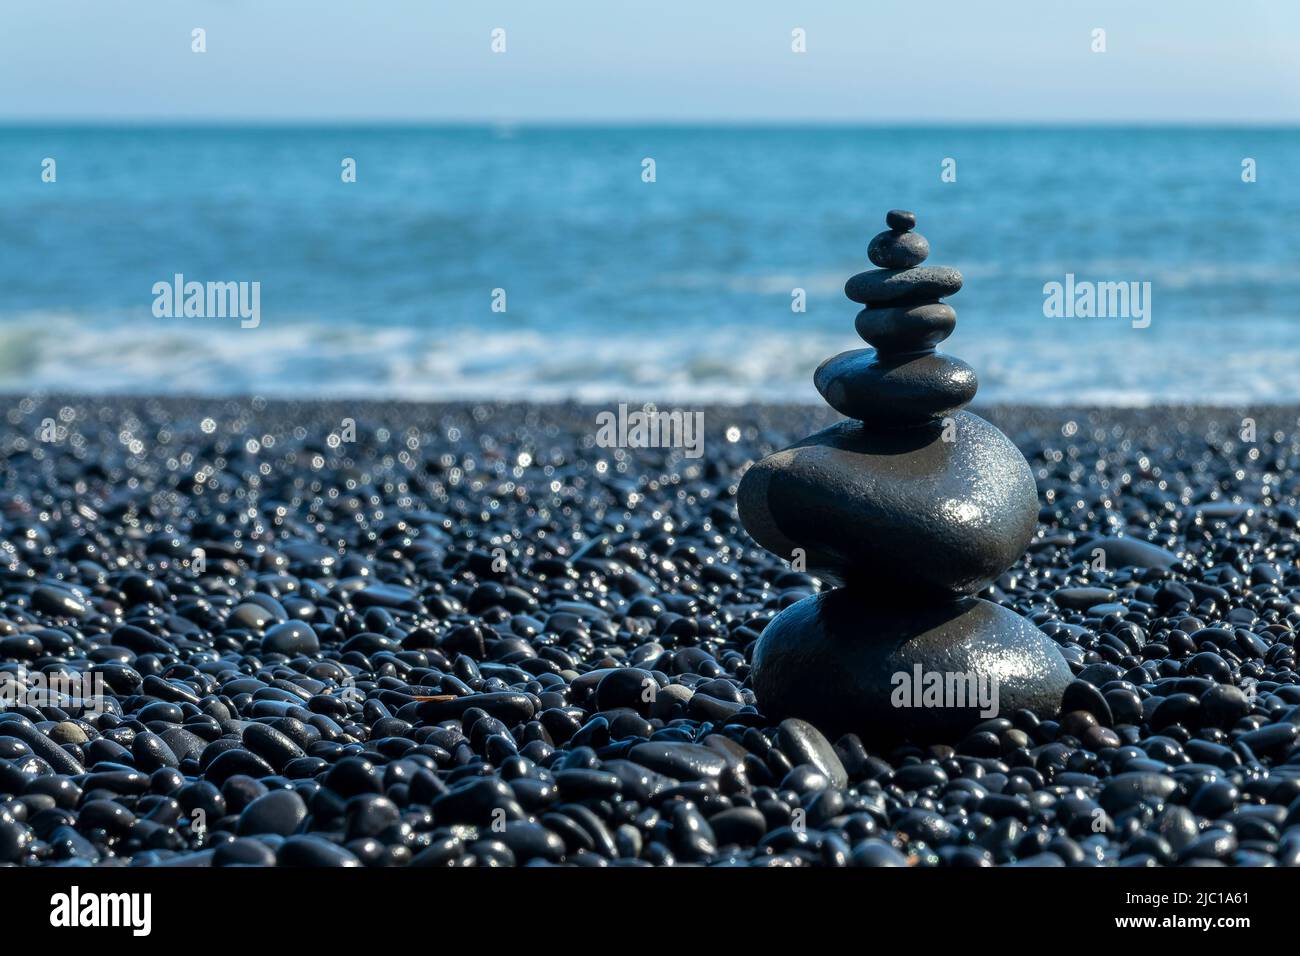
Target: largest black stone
x,y
835,659
922,513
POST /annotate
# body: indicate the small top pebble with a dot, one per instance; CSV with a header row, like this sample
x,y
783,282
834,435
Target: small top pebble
x,y
900,220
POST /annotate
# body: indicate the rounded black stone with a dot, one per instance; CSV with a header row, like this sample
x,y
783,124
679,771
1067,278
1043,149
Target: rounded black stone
x,y
370,815
243,851
742,826
906,328
58,602
271,745
805,744
152,753
842,662
352,776
627,687
280,811
898,250
901,512
900,219
252,617
240,791
1081,695
1223,705
1214,799
236,760
531,841
477,801
16,725
1272,739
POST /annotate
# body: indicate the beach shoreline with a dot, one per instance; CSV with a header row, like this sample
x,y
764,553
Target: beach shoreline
x,y
351,630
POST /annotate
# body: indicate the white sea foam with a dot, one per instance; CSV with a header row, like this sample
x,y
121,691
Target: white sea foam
x,y
729,363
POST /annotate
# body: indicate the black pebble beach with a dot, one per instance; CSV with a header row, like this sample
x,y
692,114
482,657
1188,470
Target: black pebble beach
x,y
471,637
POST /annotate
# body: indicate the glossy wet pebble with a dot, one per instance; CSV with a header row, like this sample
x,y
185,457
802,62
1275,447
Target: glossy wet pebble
x,y
352,682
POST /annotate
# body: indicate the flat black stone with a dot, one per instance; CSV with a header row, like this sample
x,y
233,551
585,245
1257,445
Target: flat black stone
x,y
313,851
684,761
906,328
1126,553
510,707
895,390
896,511
832,659
881,286
1080,599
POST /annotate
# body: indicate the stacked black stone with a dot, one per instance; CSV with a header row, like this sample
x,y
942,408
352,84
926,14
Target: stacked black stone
x,y
914,506
902,381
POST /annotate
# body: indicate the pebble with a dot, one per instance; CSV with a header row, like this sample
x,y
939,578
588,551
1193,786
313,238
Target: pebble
x,y
313,851
1223,705
1080,599
682,760
802,743
898,250
889,487
1208,621
58,602
371,815
531,841
1082,696
900,220
908,328
291,638
875,853
243,852
237,762
895,390
67,732
1126,790
1126,553
743,826
280,811
1271,740
887,286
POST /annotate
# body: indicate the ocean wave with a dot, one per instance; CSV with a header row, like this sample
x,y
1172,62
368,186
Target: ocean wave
x,y
727,362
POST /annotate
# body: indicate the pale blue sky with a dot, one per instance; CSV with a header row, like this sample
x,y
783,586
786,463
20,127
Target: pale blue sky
x,y
615,60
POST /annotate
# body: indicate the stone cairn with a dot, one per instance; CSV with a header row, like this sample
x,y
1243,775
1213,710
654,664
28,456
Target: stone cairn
x,y
913,506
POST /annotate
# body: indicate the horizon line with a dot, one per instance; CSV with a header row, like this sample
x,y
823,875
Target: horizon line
x,y
604,123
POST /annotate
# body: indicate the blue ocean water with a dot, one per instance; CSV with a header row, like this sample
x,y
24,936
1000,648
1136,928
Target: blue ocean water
x,y
616,288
